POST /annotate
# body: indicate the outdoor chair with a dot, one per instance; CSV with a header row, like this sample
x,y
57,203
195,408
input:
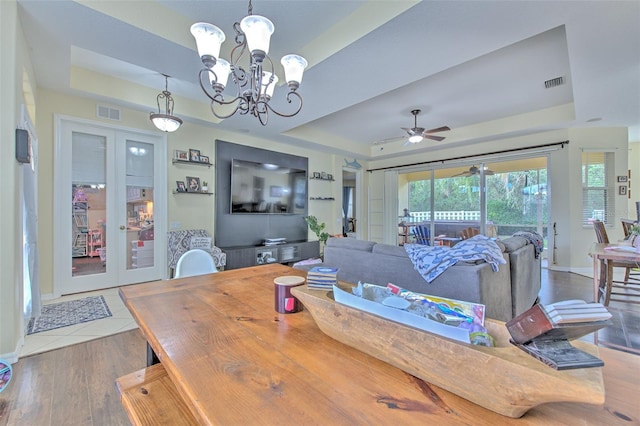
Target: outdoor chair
x,y
422,234
469,232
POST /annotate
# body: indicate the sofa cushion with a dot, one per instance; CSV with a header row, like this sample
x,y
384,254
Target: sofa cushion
x,y
350,244
512,244
389,250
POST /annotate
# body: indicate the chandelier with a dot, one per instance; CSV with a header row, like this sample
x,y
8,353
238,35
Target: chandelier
x,y
254,84
166,122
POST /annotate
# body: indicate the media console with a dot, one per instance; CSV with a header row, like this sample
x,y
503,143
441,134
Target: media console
x,y
244,256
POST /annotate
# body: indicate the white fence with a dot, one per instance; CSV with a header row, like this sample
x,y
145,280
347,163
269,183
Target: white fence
x,y
446,215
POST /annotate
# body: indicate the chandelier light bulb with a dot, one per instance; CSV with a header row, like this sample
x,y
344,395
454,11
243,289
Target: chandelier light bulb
x,y
258,30
267,88
221,70
415,138
209,38
294,66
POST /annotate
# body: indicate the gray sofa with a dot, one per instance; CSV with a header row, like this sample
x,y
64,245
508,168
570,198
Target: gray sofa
x,y
506,293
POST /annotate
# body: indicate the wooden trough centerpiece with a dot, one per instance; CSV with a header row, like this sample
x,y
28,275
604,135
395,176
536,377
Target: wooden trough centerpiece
x,y
503,378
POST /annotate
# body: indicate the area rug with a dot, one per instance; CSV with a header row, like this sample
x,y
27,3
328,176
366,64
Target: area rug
x,y
64,314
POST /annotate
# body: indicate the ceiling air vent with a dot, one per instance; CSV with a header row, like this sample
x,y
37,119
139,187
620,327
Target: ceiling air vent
x,y
558,81
108,113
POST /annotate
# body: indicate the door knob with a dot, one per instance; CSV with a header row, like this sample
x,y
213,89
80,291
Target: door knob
x,y
122,227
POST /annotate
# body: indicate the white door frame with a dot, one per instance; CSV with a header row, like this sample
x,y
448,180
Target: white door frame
x,y
116,273
358,200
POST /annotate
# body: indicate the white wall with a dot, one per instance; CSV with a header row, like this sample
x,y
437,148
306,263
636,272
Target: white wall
x,y
13,60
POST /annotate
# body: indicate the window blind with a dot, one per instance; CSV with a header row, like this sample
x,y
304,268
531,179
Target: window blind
x,y
598,187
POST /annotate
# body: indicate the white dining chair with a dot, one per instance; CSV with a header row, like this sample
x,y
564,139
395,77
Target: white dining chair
x,y
195,262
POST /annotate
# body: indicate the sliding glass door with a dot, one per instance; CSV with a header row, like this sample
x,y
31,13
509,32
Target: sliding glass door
x,y
496,198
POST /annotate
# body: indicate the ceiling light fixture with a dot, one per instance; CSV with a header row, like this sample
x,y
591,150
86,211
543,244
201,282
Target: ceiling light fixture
x,y
166,122
254,85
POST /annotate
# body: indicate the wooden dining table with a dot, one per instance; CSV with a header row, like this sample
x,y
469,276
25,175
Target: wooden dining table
x,y
604,256
231,359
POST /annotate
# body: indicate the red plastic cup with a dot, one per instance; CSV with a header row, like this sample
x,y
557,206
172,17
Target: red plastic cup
x,y
285,303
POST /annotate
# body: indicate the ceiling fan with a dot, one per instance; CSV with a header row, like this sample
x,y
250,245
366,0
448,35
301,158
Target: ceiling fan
x,y
417,134
473,170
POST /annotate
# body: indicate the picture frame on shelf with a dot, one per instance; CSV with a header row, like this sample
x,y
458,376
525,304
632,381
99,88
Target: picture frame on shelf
x,y
323,175
181,155
204,159
329,176
180,186
622,179
622,190
316,175
193,184
194,155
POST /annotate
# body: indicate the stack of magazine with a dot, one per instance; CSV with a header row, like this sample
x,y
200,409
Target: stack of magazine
x,y
321,278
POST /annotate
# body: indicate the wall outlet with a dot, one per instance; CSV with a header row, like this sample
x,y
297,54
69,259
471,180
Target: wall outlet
x,y
175,225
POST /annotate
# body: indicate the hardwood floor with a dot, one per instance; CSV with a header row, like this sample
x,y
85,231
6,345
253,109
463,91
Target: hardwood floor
x,y
75,385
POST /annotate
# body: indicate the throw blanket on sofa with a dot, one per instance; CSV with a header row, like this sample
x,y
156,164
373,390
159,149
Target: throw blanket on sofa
x,y
430,262
533,238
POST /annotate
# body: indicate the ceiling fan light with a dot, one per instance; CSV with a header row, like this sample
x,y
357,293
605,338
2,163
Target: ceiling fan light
x,y
294,66
209,38
257,30
415,138
166,123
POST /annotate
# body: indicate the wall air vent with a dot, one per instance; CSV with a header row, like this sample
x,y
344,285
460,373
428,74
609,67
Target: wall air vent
x,y
108,113
558,81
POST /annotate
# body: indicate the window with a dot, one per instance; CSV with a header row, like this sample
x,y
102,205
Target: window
x,y
597,187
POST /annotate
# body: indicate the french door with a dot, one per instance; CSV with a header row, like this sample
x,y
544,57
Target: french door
x,y
109,206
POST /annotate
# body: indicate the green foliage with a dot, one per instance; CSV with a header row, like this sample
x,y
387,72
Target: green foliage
x,y
507,202
317,228
634,230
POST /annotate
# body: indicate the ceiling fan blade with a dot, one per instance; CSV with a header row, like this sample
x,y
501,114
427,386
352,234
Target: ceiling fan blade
x,y
434,138
439,129
389,140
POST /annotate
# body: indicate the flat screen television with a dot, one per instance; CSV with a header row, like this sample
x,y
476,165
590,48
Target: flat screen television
x,y
263,188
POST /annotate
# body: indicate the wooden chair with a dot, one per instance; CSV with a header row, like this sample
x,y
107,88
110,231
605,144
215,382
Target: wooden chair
x,y
626,226
469,232
602,237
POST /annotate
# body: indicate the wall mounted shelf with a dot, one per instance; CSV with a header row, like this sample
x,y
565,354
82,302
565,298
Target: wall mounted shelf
x,y
191,163
193,193
322,198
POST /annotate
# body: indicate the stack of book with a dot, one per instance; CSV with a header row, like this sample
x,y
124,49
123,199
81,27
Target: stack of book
x,y
322,278
544,332
274,241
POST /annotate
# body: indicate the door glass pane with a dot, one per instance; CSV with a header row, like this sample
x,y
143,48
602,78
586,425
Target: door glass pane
x,y
516,200
89,210
139,190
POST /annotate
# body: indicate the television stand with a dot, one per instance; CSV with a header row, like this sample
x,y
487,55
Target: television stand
x,y
244,256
